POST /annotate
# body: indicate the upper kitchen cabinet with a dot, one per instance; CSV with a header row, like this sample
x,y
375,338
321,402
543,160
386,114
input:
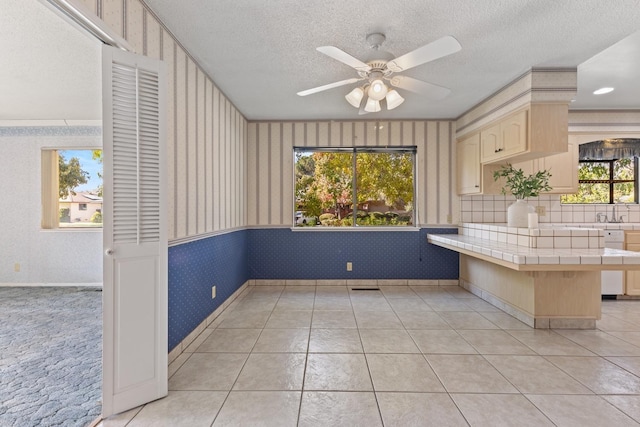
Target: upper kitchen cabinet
x,y
468,162
505,139
537,131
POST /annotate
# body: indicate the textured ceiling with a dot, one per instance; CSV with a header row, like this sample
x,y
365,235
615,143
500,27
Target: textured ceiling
x,y
261,53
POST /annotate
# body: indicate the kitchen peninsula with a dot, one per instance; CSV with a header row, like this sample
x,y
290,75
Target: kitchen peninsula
x,y
548,277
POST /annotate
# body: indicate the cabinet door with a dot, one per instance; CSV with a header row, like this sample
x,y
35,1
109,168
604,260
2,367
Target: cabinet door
x,y
468,163
513,132
632,278
491,143
564,170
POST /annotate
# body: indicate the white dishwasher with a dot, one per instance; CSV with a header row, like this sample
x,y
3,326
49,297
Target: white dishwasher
x,y
612,281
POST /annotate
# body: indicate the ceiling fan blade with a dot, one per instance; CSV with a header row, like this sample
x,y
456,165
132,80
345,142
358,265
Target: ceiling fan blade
x,y
418,86
329,86
429,52
344,57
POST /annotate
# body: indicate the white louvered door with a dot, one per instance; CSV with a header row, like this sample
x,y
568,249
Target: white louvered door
x,y
135,237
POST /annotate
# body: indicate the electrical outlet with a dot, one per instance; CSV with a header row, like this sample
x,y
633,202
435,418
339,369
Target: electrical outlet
x,y
16,267
541,210
213,292
349,266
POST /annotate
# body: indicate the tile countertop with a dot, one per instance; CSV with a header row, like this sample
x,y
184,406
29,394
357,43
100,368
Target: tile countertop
x,y
536,259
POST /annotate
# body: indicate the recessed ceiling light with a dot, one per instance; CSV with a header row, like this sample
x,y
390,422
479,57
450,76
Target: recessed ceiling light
x,y
603,90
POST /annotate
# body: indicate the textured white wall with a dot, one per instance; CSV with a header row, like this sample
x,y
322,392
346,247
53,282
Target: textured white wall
x,y
45,256
270,163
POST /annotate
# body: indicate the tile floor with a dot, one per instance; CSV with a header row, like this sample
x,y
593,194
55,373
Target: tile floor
x,y
401,356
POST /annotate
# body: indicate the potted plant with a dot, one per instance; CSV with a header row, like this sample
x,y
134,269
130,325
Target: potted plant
x,y
522,187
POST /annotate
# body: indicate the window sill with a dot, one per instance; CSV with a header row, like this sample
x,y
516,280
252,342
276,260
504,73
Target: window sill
x,y
320,229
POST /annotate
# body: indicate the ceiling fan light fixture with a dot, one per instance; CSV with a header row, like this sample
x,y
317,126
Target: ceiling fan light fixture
x,y
355,97
373,106
377,90
393,99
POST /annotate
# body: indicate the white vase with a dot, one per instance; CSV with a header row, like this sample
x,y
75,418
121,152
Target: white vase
x,y
518,214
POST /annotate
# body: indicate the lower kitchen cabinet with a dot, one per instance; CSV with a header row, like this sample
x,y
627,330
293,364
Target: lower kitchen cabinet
x,y
632,278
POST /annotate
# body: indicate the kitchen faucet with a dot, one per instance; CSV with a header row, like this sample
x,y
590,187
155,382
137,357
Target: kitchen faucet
x,y
615,217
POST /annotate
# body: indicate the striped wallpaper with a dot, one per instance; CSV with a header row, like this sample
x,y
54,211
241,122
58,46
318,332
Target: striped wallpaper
x,y
206,133
270,163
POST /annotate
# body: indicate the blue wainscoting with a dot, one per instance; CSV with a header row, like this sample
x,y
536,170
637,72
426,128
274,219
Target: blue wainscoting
x,y
229,260
280,253
196,266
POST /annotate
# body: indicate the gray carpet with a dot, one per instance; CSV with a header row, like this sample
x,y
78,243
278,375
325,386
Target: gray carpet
x,y
50,356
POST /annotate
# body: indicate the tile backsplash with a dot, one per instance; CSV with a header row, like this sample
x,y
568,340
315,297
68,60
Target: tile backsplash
x,y
493,209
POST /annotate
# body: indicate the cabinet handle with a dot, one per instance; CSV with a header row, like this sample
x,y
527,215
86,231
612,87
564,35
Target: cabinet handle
x,y
477,186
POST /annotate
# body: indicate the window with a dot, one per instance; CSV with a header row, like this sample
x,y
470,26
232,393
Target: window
x,y
376,186
71,188
606,181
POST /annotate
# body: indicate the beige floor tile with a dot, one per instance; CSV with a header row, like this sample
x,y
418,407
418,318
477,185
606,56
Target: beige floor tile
x,y
331,290
430,292
208,371
610,323
494,342
335,341
181,408
468,374
422,320
259,408
272,371
328,319
466,320
289,319
419,409
176,364
245,320
535,375
408,304
448,304
254,304
504,321
631,364
402,372
387,341
337,372
549,343
282,341
583,411
600,375
398,292
481,306
458,292
446,341
230,341
601,343
332,303
362,304
630,405
378,320
339,409
499,410
630,337
294,303
120,420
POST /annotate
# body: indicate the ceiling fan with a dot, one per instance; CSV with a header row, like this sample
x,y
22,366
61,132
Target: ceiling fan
x,y
382,66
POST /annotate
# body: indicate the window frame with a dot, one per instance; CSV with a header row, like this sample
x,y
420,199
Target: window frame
x,y
410,149
611,181
50,199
